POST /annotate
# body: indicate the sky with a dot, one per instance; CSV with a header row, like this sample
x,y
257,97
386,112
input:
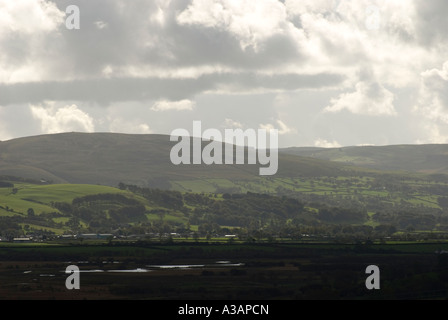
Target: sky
x,y
324,73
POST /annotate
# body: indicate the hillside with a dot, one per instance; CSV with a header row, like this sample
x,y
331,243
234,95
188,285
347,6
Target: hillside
x,y
295,207
109,158
430,159
372,187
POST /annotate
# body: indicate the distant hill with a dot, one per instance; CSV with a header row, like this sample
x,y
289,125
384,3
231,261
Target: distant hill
x,y
430,159
366,186
110,158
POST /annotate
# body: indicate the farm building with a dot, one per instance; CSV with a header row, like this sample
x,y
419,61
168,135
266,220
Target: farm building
x,y
21,240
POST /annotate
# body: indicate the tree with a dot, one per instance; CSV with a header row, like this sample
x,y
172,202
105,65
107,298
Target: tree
x,y
121,186
30,212
73,224
196,236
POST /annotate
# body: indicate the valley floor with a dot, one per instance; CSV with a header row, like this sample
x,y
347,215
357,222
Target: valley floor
x,y
149,271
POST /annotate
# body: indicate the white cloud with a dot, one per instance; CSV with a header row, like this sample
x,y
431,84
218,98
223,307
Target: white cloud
x,y
163,54
24,26
432,106
63,119
229,123
322,143
251,22
100,24
282,127
119,125
433,95
338,39
29,17
369,98
181,105
433,135
365,145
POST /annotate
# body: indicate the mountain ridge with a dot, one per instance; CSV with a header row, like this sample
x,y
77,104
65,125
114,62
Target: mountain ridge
x,y
423,158
110,158
144,159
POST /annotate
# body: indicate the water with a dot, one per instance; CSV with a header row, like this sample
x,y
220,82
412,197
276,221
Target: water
x,y
149,268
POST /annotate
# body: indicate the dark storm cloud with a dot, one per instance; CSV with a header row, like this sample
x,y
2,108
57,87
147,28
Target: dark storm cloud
x,y
130,35
105,91
126,38
432,23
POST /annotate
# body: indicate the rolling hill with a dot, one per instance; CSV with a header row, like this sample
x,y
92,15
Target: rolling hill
x,y
110,158
144,160
430,159
366,186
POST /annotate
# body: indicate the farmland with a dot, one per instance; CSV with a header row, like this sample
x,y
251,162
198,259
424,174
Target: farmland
x,y
410,203
140,228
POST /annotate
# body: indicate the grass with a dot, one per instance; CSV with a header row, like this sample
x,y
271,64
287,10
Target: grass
x,y
179,218
324,186
28,245
57,231
370,222
39,197
194,185
17,204
348,188
61,219
64,192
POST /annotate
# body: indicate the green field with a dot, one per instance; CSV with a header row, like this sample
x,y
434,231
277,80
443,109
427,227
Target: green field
x,y
357,186
364,190
40,197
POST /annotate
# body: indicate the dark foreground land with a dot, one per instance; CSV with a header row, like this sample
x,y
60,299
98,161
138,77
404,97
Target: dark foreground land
x,y
186,271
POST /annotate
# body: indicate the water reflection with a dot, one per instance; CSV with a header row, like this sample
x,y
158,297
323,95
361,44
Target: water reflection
x,y
149,268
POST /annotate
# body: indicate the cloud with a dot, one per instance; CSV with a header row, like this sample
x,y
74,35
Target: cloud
x,y
182,105
28,17
25,27
369,98
153,54
100,24
110,89
119,125
432,23
251,22
4,132
433,95
229,123
63,119
322,143
282,127
432,105
152,39
433,135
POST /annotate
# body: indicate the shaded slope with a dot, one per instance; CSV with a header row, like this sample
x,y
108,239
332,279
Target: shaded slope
x,y
414,158
109,158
